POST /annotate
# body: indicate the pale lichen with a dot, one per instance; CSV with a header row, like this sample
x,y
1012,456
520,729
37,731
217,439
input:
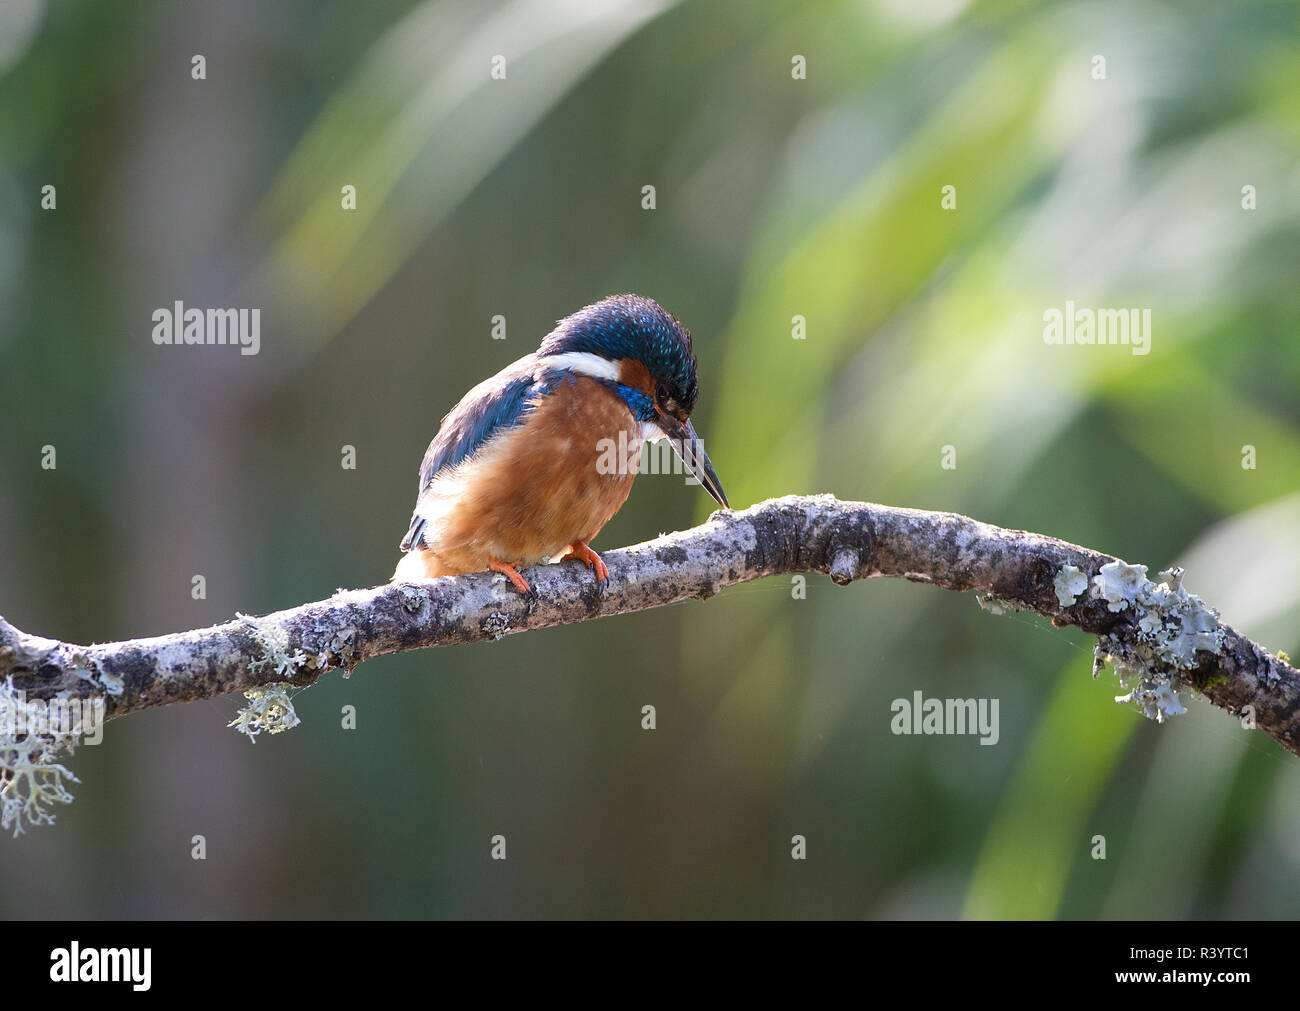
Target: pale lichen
x,y
342,646
1070,584
496,624
1119,584
31,776
273,639
270,707
1156,694
1176,624
413,599
1172,627
269,710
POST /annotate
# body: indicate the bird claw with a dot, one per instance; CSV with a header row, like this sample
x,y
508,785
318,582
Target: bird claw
x,y
602,585
579,551
511,573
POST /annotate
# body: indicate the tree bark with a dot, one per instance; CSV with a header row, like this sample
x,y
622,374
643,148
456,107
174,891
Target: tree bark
x,y
844,540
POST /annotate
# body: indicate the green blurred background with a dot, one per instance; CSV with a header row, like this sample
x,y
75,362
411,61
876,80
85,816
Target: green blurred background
x,y
775,197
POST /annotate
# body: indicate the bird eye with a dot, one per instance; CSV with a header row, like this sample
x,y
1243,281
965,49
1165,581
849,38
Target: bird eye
x,y
667,403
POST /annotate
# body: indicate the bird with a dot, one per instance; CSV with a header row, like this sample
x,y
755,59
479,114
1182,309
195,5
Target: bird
x,y
533,462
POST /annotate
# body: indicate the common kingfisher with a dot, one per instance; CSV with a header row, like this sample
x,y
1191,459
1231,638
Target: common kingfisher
x,y
520,469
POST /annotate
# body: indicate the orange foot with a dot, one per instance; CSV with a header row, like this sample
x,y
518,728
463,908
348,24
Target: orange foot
x,y
511,573
584,554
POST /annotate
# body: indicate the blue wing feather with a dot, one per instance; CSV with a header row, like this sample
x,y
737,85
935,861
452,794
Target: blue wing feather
x,y
487,409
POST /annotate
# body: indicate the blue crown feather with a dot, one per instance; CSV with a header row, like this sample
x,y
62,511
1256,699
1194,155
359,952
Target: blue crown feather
x,y
631,326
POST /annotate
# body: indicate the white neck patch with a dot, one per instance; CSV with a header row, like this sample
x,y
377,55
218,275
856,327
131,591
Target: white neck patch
x,y
583,362
651,432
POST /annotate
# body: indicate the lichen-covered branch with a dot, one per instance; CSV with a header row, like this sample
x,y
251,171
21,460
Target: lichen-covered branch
x,y
1154,632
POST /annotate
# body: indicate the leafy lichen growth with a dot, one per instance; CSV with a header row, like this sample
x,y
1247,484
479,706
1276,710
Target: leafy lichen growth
x,y
31,776
1177,624
1156,695
269,710
1172,627
270,707
1070,584
1119,584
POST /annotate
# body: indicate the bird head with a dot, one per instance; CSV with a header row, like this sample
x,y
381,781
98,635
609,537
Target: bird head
x,y
641,351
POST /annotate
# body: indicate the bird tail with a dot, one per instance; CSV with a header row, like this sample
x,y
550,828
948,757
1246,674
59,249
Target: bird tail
x,y
415,534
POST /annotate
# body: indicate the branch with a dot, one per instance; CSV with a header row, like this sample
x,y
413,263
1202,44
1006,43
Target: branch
x,y
1153,632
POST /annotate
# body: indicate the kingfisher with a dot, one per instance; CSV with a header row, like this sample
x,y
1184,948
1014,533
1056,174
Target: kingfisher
x,y
532,463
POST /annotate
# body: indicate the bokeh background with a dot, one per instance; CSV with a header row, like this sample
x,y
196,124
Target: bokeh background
x,y
775,197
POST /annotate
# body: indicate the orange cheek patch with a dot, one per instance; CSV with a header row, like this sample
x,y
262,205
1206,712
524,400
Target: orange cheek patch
x,y
634,374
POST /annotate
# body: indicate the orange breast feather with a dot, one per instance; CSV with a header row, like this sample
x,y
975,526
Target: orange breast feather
x,y
534,489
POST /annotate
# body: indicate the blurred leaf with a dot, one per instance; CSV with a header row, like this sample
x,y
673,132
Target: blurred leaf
x,y
415,129
855,269
1040,826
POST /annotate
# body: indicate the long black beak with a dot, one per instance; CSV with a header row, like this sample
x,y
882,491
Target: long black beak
x,y
688,446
